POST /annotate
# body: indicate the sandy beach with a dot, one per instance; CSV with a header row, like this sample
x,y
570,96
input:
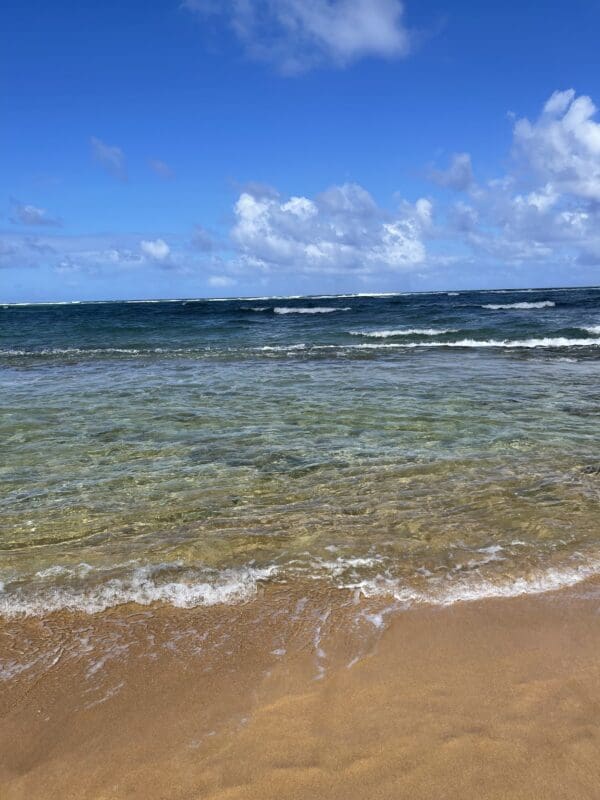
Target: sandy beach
x,y
491,699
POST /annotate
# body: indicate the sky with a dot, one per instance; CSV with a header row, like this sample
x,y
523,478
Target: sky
x,y
211,148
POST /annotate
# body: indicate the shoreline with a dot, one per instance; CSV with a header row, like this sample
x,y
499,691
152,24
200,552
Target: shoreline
x,y
494,698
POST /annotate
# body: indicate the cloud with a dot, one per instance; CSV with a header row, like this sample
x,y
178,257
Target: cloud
x,y
340,231
458,176
156,249
539,215
26,214
220,281
86,254
561,149
161,169
110,157
297,35
545,209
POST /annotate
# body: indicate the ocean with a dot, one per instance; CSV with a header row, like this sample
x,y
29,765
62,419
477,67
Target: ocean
x,y
425,448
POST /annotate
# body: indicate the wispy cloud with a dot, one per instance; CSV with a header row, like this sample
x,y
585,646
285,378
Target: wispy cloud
x,y
162,169
220,281
27,214
297,35
110,157
458,176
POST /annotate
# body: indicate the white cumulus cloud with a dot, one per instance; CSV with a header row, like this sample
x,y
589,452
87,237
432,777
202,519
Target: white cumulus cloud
x,y
341,230
157,249
562,147
545,208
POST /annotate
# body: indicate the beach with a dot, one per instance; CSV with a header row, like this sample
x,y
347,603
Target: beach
x,y
489,699
329,546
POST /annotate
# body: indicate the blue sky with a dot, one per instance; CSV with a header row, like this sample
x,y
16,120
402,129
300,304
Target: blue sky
x,y
297,146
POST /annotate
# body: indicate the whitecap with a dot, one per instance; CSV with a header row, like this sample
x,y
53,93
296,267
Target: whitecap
x,y
281,348
315,310
519,306
551,341
385,334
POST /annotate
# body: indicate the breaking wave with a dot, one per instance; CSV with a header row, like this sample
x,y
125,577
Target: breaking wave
x,y
519,306
447,594
550,341
385,334
316,310
143,585
179,587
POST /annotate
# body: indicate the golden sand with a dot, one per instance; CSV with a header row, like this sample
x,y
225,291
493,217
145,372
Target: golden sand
x,y
493,699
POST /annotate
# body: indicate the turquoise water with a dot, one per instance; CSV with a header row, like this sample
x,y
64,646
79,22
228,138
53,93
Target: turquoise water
x,y
429,447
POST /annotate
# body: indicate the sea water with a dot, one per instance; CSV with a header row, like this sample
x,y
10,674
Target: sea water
x,y
423,447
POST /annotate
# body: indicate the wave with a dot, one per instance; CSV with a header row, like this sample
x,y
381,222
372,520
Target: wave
x,y
547,342
591,328
550,342
448,593
519,306
317,310
142,587
556,341
281,348
58,303
359,294
385,334
67,351
191,588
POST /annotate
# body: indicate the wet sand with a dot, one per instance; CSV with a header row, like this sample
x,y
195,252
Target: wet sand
x,y
491,699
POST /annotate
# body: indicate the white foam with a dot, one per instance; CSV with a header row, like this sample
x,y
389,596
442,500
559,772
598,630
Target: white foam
x,y
592,328
385,334
445,592
142,586
54,351
67,351
519,306
316,310
340,565
550,341
547,342
542,342
58,303
276,348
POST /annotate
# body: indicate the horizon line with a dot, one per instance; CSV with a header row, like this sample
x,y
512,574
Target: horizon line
x,y
346,295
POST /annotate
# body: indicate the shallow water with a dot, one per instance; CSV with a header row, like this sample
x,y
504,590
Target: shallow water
x,y
419,447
